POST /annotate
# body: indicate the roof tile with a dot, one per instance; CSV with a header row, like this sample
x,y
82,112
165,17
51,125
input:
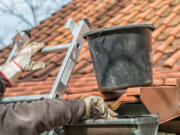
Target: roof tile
x,y
104,13
172,60
155,3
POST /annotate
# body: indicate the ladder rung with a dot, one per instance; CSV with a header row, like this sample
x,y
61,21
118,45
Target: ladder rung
x,y
55,48
22,98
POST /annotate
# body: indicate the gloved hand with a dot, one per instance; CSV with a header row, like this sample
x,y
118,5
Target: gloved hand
x,y
97,108
24,57
22,62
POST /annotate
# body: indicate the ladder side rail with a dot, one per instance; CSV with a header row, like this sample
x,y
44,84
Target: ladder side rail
x,y
69,62
70,59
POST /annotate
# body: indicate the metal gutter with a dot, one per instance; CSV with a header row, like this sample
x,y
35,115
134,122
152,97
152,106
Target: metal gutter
x,y
140,125
144,119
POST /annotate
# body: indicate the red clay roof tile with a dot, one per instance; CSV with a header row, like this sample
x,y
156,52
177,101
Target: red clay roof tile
x,y
172,60
123,99
104,13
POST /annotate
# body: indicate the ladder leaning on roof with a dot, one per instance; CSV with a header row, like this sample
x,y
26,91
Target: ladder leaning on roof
x,y
68,64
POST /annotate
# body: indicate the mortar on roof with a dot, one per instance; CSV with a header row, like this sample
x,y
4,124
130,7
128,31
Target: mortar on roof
x,y
122,55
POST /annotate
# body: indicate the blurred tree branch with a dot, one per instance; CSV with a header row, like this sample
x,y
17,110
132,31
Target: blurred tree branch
x,y
1,42
32,8
27,13
36,9
13,11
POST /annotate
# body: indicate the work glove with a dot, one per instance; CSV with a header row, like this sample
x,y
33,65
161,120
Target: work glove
x,y
24,57
97,108
22,62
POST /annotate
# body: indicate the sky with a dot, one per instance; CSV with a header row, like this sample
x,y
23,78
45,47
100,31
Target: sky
x,y
10,25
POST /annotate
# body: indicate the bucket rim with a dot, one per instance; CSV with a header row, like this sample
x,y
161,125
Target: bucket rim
x,y
122,27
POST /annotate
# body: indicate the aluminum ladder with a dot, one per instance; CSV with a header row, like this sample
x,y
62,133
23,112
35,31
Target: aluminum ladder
x,y
67,66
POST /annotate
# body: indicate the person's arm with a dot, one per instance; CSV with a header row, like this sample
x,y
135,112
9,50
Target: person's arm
x,y
10,72
3,84
38,116
43,115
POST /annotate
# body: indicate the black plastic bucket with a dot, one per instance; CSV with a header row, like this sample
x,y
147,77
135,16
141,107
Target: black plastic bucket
x,y
122,55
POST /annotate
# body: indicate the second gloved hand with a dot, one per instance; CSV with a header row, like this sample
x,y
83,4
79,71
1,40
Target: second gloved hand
x,y
24,57
97,108
22,62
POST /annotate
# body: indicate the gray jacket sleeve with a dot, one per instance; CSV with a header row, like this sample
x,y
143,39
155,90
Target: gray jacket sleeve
x,y
3,84
33,118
